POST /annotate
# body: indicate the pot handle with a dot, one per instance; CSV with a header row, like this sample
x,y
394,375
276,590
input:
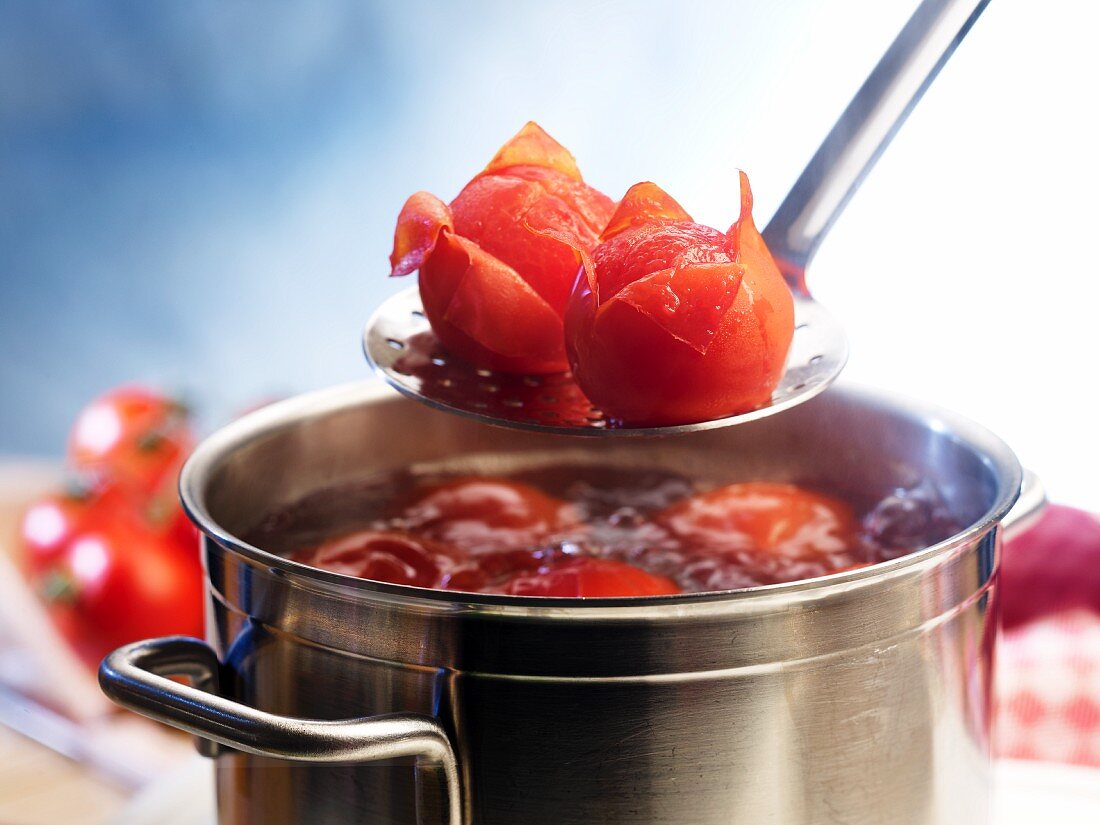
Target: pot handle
x,y
1028,507
135,676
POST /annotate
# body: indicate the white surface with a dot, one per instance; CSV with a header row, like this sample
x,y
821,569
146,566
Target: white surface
x,y
965,269
1029,793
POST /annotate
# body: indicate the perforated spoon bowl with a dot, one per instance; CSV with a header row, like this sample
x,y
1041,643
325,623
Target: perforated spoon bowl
x,y
400,346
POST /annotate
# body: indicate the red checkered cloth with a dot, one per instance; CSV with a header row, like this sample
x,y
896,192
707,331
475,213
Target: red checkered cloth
x,y
1048,668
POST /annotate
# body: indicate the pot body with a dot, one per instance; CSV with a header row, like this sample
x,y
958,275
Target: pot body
x,y
861,698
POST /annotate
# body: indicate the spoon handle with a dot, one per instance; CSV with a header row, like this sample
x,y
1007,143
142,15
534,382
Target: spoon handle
x,y
864,130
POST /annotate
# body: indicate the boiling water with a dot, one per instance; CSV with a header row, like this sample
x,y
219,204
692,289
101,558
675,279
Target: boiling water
x,y
622,514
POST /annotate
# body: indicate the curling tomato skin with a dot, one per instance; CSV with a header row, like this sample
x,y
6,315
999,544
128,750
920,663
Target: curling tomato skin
x,y
635,372
494,288
511,321
674,322
530,328
491,210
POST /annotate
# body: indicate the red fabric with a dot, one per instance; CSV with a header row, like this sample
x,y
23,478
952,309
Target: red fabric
x,y
1048,669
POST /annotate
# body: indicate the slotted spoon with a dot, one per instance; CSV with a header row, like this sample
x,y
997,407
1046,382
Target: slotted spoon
x,y
401,347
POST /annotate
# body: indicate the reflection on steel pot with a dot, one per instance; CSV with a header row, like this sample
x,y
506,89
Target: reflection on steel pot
x,y
859,698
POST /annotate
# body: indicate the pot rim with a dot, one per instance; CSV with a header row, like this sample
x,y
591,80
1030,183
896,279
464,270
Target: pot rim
x,y
290,412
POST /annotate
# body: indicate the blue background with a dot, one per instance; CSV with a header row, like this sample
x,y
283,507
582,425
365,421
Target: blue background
x,y
202,195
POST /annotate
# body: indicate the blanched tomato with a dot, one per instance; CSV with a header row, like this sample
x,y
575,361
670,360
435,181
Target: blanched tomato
x,y
555,572
676,322
769,531
115,582
611,531
588,577
136,439
493,289
382,555
485,514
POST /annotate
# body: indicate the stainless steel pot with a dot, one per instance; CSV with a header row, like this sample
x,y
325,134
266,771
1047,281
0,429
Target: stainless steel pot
x,y
863,697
